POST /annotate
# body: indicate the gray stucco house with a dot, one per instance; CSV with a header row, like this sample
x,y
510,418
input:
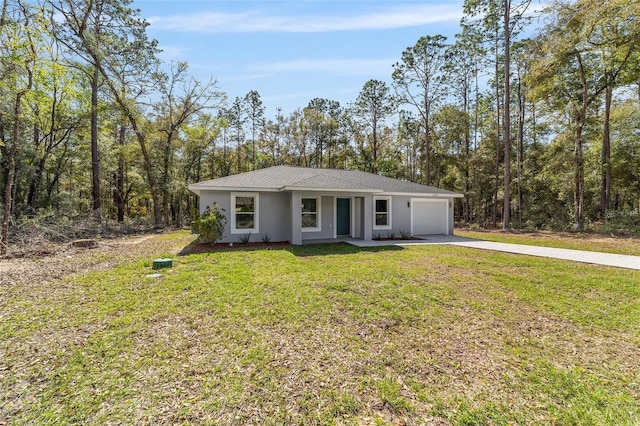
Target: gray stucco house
x,y
298,205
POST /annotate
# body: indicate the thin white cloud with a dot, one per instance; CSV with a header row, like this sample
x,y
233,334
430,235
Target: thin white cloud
x,y
327,66
395,17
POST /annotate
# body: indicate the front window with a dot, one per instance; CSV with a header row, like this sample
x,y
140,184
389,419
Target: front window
x,y
382,213
310,214
245,213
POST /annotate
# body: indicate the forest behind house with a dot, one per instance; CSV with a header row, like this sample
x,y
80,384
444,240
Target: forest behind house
x,y
534,117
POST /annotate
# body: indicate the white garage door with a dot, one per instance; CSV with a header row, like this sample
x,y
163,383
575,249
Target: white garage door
x,y
429,217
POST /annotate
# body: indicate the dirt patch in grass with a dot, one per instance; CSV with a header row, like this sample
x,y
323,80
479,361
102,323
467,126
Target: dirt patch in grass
x,y
59,260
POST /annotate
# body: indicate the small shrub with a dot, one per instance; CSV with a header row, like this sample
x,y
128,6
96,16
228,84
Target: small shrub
x,y
391,235
266,239
209,225
245,238
376,237
621,223
405,235
474,227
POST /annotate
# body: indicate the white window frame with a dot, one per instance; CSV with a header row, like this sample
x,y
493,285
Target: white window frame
x,y
318,227
389,223
256,204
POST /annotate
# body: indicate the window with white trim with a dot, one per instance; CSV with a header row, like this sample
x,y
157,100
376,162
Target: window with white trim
x,y
310,214
381,212
245,212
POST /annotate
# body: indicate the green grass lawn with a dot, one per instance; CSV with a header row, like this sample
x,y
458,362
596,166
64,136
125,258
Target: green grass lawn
x,y
326,334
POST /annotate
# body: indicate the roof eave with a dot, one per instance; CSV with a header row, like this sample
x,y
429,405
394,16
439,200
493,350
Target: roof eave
x,y
425,194
197,188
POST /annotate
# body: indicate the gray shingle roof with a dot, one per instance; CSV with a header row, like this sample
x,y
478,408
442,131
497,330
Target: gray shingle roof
x,y
280,178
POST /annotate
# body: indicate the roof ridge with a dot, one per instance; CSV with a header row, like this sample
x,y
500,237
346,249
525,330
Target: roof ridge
x,y
351,181
301,180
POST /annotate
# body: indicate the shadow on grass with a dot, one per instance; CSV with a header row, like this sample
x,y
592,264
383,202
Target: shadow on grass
x,y
324,249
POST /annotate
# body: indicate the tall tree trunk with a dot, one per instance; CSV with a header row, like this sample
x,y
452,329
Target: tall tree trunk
x,y
253,145
506,215
140,136
467,142
32,197
95,157
476,200
239,151
496,185
34,187
520,149
165,178
374,168
118,192
153,188
427,146
11,173
605,188
578,155
578,196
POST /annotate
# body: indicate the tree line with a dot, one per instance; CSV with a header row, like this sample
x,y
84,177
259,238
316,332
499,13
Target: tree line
x,y
537,125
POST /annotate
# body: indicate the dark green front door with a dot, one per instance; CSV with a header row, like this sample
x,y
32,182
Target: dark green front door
x,y
343,216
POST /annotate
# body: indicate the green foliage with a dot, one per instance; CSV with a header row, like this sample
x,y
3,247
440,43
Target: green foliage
x,y
621,223
447,137
209,225
245,238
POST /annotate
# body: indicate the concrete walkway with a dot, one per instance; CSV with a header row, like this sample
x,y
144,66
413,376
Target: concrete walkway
x,y
607,259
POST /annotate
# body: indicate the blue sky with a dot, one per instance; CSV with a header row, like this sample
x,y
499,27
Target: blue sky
x,y
294,51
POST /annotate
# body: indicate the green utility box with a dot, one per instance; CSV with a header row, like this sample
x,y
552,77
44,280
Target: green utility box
x,y
162,263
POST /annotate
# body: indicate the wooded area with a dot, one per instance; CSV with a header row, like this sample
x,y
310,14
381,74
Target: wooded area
x,y
541,132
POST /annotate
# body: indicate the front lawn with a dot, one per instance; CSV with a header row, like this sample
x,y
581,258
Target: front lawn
x,y
327,334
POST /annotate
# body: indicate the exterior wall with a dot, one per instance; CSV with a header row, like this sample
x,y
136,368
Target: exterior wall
x,y
327,218
358,209
451,215
279,215
401,216
273,215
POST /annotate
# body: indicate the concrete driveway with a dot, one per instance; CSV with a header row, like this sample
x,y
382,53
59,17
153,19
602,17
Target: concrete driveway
x,y
596,258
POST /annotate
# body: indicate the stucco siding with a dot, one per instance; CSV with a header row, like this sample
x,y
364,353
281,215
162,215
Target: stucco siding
x,y
276,211
327,207
400,218
273,215
401,215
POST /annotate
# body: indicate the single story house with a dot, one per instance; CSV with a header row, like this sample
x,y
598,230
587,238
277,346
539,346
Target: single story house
x,y
299,204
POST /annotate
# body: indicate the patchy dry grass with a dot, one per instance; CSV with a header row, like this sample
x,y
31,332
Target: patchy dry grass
x,y
319,335
577,241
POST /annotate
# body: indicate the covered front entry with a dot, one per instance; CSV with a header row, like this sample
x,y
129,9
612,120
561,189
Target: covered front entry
x,y
429,217
343,217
